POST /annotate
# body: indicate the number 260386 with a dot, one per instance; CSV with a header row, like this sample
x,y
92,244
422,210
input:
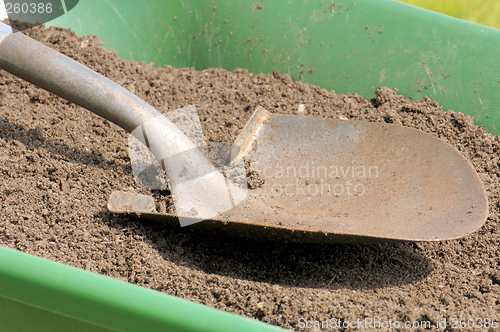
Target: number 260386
x,y
472,323
28,8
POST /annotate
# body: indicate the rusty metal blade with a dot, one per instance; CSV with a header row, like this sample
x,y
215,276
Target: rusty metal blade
x,y
328,180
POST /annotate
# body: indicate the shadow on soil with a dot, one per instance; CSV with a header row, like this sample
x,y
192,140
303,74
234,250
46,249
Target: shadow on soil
x,y
34,139
331,266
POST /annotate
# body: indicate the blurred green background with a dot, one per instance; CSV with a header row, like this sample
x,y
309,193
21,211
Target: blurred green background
x,y
485,12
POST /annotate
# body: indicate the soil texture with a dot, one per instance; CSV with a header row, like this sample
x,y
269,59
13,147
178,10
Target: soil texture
x,y
60,162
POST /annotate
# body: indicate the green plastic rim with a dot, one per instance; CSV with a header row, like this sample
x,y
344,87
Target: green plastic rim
x,y
40,295
346,46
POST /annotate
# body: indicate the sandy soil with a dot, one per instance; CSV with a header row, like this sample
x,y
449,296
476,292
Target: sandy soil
x,y
59,163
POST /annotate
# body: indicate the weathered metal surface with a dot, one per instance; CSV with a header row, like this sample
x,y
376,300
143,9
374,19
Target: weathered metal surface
x,y
126,202
245,140
335,181
367,179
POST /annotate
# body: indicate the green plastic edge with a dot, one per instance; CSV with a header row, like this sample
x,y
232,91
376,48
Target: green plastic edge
x,y
99,301
350,49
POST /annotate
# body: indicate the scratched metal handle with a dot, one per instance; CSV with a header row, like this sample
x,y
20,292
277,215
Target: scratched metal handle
x,y
57,73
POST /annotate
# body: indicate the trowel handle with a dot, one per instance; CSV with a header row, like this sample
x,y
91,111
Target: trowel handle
x,y
57,73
